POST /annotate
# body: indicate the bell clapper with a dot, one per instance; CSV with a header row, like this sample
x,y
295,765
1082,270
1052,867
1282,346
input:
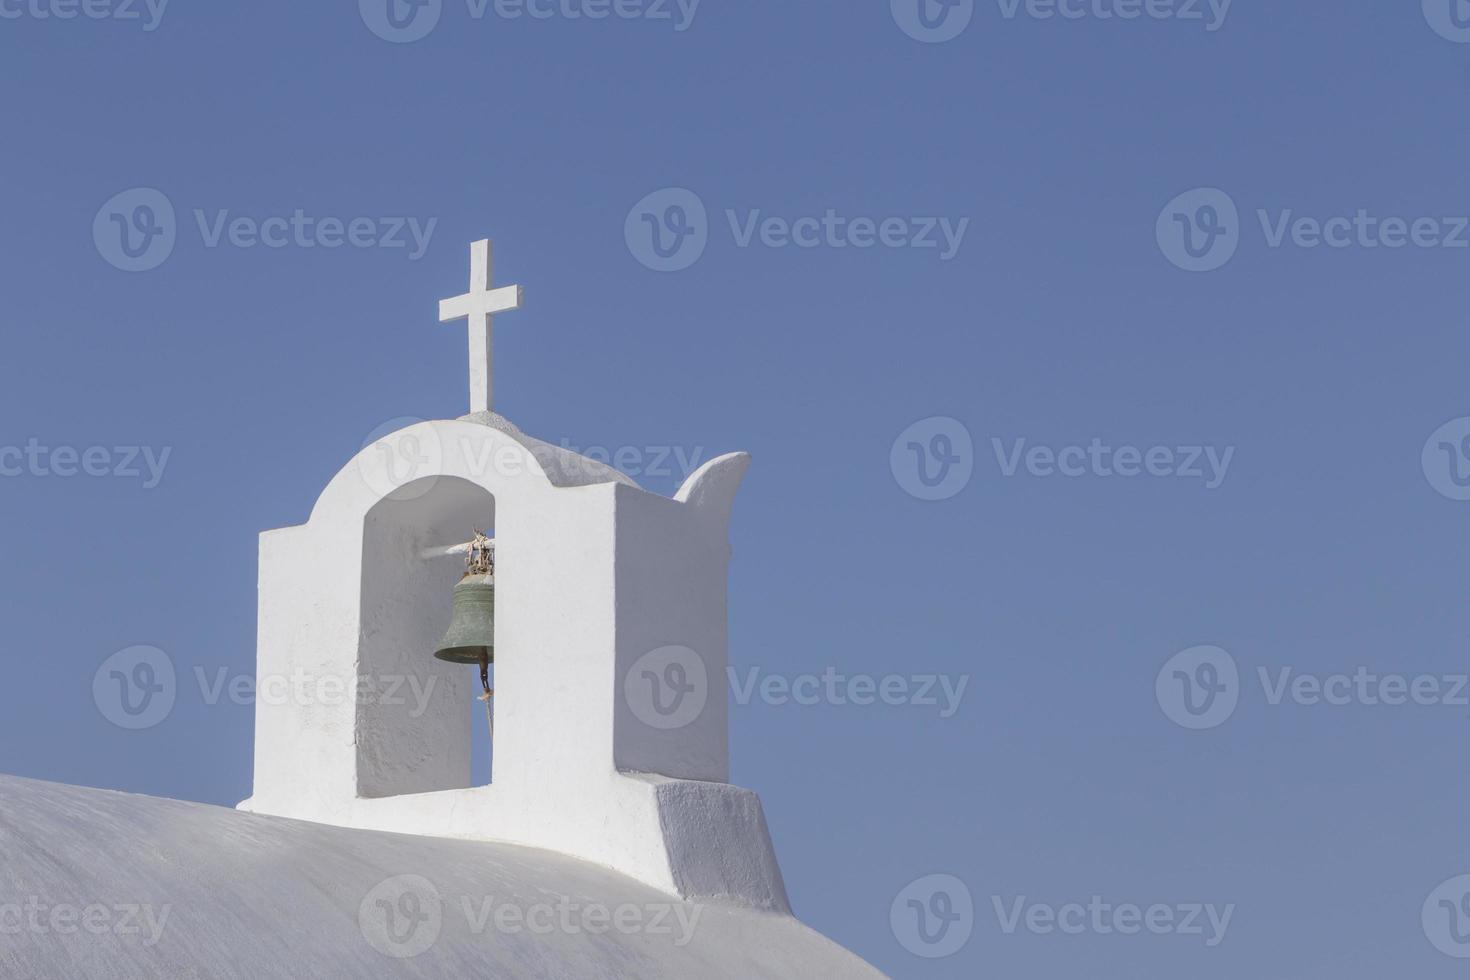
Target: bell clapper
x,y
481,561
489,695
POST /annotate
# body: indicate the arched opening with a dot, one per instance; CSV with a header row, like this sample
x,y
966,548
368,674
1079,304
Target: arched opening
x,y
412,733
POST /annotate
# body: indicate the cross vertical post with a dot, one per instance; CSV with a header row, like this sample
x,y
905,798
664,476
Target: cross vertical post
x,y
479,307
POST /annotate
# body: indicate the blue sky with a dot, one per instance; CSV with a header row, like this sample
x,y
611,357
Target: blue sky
x,y
940,432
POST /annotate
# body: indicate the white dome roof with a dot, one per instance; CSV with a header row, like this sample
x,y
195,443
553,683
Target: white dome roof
x,y
232,895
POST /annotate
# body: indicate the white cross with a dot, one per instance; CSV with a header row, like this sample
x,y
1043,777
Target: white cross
x,y
479,306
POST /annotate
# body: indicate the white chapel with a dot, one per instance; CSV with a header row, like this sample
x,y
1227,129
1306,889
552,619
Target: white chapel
x,y
608,842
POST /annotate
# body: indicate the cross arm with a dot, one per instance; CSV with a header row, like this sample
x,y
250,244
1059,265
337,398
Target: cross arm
x,y
481,304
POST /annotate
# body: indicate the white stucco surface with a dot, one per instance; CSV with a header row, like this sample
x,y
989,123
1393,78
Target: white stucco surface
x,y
221,895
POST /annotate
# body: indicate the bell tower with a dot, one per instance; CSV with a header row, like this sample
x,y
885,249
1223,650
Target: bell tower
x,y
610,648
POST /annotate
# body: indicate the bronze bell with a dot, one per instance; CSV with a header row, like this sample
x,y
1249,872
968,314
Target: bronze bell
x,y
471,636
